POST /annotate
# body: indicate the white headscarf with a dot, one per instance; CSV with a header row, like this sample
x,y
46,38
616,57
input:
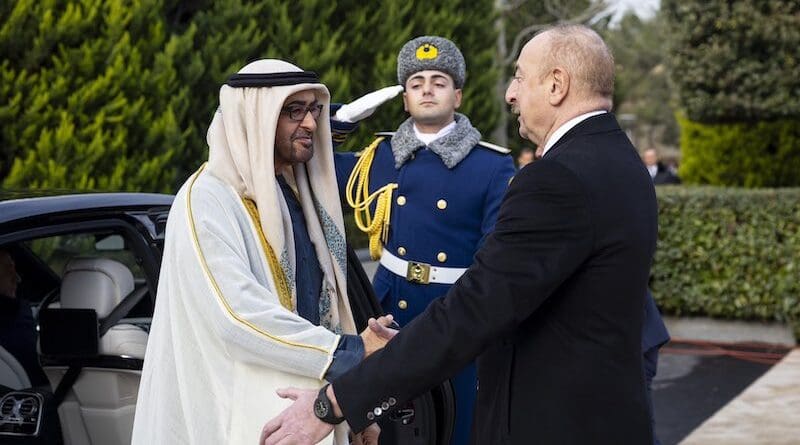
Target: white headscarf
x,y
241,141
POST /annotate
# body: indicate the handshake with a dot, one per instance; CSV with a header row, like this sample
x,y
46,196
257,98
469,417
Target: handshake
x,y
377,333
298,425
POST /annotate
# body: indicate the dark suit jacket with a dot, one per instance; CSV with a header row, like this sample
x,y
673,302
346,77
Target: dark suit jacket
x,y
552,307
665,176
18,336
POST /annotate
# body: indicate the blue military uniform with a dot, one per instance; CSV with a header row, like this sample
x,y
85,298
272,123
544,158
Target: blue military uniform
x,y
439,216
654,336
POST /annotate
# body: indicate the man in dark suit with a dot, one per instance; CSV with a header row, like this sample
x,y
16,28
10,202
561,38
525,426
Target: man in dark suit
x,y
553,305
658,171
17,326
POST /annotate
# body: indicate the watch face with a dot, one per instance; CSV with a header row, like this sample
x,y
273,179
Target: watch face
x,y
320,408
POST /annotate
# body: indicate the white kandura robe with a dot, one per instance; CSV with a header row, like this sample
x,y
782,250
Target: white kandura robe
x,y
221,328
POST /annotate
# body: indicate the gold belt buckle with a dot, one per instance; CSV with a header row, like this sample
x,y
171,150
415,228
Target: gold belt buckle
x,y
418,272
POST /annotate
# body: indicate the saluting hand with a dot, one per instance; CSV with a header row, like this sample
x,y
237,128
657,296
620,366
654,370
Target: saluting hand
x,y
365,105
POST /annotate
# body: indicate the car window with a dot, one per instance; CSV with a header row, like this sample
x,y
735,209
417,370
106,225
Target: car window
x,y
57,251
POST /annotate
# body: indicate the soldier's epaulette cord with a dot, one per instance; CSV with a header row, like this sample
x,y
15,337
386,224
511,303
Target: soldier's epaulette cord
x,y
357,194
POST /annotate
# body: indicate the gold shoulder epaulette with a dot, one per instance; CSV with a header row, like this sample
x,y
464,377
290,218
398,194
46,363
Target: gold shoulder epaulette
x,y
379,136
494,147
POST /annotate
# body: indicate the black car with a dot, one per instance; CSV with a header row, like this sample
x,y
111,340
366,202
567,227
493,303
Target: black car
x,y
88,265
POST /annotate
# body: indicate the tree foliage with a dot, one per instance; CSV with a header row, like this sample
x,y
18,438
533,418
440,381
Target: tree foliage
x,y
90,96
641,87
735,61
223,34
735,67
118,94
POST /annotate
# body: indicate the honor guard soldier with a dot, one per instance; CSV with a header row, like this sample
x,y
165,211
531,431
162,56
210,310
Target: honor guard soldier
x,y
427,194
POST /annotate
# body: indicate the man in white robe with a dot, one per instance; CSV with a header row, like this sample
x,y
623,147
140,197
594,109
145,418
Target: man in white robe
x,y
233,321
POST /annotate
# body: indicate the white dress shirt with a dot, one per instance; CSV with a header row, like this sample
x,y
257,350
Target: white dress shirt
x,y
427,138
567,126
653,170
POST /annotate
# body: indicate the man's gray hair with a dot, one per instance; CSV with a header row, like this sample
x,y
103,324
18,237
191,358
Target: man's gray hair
x,y
584,54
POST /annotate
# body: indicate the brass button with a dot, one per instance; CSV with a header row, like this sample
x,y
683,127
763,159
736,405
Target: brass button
x,y
401,200
442,257
402,304
401,250
370,416
385,405
378,411
392,401
441,204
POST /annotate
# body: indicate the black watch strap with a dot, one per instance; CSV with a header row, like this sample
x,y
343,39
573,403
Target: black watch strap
x,y
323,408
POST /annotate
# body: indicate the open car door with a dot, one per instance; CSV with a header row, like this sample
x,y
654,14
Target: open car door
x,y
426,420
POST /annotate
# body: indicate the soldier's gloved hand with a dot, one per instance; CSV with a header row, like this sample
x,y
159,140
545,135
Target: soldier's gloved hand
x,y
365,105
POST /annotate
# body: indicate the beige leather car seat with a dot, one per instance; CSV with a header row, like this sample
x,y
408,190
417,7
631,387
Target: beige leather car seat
x,y
100,406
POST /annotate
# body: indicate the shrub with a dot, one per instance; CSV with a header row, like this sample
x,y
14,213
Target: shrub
x,y
759,154
736,64
735,60
729,253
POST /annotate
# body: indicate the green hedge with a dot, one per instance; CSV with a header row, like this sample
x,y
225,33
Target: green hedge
x,y
758,154
729,253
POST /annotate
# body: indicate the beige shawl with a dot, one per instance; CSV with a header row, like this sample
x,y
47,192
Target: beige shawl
x,y
241,142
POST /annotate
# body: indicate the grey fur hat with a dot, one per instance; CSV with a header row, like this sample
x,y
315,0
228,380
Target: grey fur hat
x,y
431,53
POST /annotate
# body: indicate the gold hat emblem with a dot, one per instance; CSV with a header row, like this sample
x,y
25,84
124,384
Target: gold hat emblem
x,y
427,51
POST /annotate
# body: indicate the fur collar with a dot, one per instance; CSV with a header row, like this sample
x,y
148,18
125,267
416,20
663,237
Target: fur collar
x,y
452,147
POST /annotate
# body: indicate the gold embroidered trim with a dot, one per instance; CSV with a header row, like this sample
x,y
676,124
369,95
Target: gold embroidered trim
x,y
284,294
214,284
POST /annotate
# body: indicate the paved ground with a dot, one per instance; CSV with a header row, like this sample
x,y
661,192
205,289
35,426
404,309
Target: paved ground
x,y
690,388
767,412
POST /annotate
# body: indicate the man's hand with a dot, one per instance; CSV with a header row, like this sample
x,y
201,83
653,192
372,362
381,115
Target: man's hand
x,y
377,334
385,327
297,424
365,105
369,436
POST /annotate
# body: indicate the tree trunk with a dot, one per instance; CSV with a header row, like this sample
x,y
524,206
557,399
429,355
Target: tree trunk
x,y
500,134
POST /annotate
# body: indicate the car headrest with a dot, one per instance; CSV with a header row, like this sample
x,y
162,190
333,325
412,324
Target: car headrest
x,y
95,283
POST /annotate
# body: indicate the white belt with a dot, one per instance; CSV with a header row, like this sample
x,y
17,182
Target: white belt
x,y
421,273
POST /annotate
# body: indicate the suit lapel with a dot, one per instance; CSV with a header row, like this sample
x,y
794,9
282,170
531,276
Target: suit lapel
x,y
602,123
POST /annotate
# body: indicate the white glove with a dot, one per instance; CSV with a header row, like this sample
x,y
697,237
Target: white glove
x,y
365,105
